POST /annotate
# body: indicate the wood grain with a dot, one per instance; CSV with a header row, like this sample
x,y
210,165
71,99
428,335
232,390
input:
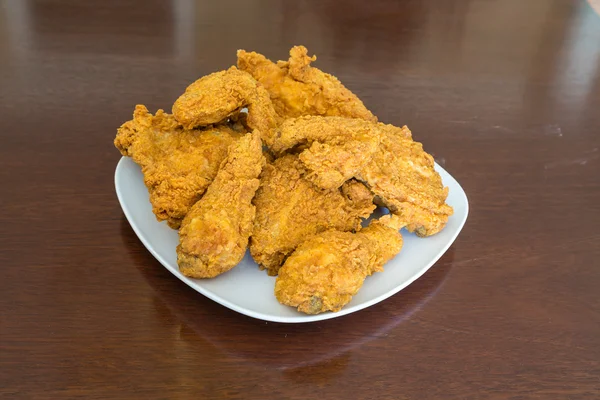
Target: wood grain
x,y
505,94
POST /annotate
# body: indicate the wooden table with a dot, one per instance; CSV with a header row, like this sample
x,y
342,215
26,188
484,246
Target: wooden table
x,y
505,94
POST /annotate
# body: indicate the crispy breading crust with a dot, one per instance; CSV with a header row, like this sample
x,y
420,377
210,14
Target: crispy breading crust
x,y
402,175
325,271
217,96
393,166
298,89
178,164
289,209
336,148
214,234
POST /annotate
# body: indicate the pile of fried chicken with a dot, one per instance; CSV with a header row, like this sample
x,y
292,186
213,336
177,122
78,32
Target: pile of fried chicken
x,y
283,159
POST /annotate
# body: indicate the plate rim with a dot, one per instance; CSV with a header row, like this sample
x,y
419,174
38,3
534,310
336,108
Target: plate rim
x,y
301,318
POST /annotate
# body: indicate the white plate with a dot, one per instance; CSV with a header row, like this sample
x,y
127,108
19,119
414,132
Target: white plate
x,y
248,290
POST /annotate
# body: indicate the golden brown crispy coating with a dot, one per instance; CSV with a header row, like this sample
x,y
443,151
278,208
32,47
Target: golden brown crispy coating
x,y
178,164
328,269
217,96
289,209
214,234
336,148
298,89
402,175
395,168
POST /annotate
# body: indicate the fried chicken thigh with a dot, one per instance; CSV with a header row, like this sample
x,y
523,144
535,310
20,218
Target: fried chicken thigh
x,y
178,164
214,235
217,96
290,209
298,89
329,268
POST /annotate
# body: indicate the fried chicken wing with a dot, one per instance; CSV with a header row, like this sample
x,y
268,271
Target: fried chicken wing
x,y
325,271
217,96
178,164
214,234
336,148
289,209
394,167
298,89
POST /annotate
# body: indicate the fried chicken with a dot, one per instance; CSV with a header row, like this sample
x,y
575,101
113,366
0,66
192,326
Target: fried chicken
x,y
395,168
298,89
217,96
214,235
402,175
289,209
178,164
335,148
329,268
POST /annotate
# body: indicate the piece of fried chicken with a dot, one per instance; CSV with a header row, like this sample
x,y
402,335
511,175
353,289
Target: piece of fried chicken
x,y
214,235
178,164
403,177
397,169
298,89
289,209
335,148
328,269
217,96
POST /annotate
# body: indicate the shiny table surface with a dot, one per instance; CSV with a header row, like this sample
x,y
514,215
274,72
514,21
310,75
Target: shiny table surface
x,y
505,94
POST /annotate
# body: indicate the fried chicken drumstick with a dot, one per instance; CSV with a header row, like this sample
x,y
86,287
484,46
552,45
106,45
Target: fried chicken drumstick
x,y
178,164
298,89
214,235
329,268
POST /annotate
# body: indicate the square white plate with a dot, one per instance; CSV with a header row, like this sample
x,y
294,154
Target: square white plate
x,y
248,290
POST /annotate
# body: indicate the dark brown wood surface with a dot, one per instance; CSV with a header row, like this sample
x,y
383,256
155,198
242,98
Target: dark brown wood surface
x,y
504,93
